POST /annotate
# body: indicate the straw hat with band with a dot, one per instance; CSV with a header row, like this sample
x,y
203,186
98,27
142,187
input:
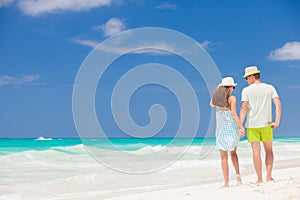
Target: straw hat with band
x,y
227,81
250,71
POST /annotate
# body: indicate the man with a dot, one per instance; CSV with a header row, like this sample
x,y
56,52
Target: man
x,y
257,105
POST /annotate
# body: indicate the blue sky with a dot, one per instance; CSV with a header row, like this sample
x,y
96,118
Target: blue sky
x,y
43,44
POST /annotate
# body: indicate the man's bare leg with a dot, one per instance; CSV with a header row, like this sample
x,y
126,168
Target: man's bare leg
x,y
269,159
257,160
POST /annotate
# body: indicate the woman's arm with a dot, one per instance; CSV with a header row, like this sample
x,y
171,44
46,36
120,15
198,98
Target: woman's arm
x,y
211,104
232,102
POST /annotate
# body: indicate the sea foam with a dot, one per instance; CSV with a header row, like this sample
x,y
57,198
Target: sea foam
x,y
42,138
71,172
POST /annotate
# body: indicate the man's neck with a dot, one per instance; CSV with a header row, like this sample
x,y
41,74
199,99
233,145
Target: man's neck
x,y
257,82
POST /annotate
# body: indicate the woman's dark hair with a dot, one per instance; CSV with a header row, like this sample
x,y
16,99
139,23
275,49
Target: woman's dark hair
x,y
220,96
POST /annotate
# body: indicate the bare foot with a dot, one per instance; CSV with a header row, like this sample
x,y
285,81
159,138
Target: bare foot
x,y
224,186
238,179
257,183
270,179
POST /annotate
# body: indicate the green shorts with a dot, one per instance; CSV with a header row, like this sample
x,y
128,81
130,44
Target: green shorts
x,y
263,134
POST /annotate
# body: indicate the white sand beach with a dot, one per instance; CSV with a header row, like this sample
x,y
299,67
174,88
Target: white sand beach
x,y
286,187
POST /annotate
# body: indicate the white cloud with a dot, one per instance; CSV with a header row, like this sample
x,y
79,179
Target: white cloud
x,y
112,26
10,80
289,51
89,43
38,7
4,3
167,6
117,49
207,44
157,47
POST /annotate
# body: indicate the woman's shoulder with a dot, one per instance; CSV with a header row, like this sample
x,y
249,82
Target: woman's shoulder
x,y
231,100
231,97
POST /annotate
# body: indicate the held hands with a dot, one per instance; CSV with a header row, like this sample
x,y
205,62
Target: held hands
x,y
241,132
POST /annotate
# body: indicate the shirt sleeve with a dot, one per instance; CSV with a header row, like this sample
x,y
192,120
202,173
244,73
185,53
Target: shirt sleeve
x,y
274,93
245,96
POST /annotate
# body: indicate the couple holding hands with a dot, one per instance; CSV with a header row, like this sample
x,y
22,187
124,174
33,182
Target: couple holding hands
x,y
256,107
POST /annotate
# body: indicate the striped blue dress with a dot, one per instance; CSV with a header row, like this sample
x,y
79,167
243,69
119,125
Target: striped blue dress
x,y
227,133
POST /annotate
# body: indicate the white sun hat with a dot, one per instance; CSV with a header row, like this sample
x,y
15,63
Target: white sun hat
x,y
251,70
227,81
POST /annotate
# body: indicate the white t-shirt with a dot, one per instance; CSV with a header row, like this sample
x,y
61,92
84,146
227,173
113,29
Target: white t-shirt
x,y
259,97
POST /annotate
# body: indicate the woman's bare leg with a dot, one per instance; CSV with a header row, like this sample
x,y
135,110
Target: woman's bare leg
x,y
224,165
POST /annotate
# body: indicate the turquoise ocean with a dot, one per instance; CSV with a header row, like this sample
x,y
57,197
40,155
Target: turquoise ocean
x,y
51,168
8,146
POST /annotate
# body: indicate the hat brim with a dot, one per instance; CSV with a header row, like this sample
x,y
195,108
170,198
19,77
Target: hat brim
x,y
231,85
251,73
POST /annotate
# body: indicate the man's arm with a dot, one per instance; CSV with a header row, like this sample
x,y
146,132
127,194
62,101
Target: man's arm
x,y
278,106
243,111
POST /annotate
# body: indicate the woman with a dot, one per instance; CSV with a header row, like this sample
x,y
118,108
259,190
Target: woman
x,y
229,127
